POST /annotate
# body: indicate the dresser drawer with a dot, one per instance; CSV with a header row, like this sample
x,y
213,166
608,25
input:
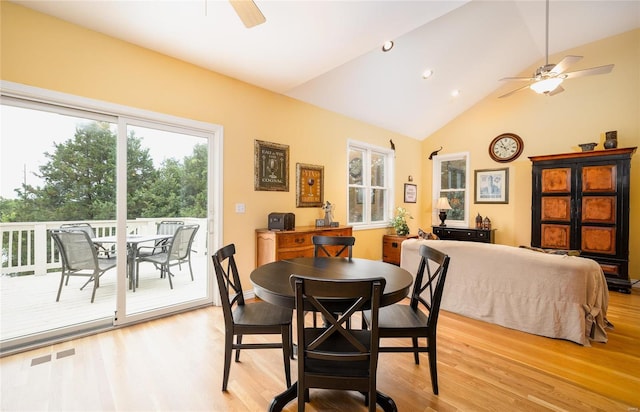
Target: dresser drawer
x,y
293,240
464,234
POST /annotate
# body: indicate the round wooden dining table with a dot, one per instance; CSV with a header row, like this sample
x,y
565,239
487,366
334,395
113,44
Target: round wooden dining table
x,y
271,284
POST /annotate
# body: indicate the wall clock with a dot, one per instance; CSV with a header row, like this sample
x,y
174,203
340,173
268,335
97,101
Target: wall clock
x,y
506,147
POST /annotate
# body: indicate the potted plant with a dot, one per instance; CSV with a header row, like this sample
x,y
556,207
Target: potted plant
x,y
399,221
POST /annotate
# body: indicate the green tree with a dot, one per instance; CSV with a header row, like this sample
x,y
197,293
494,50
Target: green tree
x,y
80,178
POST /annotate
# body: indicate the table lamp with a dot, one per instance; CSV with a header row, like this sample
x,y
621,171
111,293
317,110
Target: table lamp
x,y
443,205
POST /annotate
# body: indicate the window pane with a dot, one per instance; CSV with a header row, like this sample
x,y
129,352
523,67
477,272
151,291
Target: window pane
x,y
377,204
453,174
456,200
356,160
377,169
356,196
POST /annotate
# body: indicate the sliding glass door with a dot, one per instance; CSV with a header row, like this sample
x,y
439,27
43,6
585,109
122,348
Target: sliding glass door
x,y
129,177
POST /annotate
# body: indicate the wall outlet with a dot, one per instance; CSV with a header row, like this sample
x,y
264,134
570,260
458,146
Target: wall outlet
x,y
240,208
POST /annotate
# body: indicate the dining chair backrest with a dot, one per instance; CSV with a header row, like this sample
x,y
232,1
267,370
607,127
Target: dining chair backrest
x,y
76,249
428,286
330,245
182,241
334,356
228,280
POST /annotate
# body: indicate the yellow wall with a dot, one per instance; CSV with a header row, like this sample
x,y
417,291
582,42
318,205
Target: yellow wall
x,y
39,50
587,108
45,52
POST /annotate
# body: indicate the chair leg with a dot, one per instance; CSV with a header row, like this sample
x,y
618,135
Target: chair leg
x,y
168,274
228,345
432,366
239,342
286,353
190,270
416,354
60,287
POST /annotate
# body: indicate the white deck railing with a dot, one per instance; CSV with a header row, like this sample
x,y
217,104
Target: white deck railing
x,y
27,247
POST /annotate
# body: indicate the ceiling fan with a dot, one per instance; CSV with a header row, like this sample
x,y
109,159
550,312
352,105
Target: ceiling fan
x,y
547,79
248,12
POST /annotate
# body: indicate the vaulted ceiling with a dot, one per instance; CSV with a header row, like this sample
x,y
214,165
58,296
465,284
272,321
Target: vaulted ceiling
x,y
328,53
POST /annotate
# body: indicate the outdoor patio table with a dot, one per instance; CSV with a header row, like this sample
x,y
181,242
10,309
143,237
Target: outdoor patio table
x,y
132,251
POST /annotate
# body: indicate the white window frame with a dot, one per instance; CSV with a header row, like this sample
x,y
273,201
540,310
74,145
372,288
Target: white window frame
x,y
437,166
389,174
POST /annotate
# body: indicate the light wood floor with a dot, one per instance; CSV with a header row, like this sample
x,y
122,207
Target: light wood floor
x,y
175,364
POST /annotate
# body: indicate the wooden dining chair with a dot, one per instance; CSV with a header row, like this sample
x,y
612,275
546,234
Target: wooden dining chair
x,y
255,318
335,356
420,318
329,246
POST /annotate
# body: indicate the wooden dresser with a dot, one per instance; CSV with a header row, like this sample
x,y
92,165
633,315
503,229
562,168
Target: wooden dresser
x,y
580,201
392,246
272,245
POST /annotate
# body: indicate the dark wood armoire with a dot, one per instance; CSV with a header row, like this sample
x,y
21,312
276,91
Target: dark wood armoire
x,y
580,201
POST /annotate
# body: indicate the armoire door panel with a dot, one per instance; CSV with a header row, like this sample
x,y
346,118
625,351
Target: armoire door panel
x,y
556,180
556,208
597,239
601,178
599,209
555,236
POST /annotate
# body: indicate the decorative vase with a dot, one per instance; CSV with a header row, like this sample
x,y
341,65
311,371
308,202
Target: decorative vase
x,y
611,139
402,230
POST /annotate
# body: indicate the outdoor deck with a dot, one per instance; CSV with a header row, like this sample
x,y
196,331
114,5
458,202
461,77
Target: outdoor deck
x,y
28,303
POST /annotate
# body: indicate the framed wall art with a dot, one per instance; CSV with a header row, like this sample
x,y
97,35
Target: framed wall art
x,y
309,185
410,193
271,166
492,186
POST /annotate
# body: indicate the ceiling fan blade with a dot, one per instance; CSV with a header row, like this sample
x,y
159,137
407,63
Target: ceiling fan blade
x,y
514,91
248,12
525,79
589,72
565,63
555,91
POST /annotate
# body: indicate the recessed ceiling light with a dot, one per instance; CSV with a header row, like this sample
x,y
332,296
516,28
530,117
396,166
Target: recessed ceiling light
x,y
455,93
427,73
388,45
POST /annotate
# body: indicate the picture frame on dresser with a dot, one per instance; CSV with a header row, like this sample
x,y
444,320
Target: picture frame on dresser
x,y
491,185
271,166
309,185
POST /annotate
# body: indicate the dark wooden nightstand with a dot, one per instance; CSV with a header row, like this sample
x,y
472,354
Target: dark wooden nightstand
x,y
466,234
391,248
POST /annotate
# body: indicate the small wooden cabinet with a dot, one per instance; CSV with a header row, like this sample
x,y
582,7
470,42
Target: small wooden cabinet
x,y
581,201
391,247
272,245
465,234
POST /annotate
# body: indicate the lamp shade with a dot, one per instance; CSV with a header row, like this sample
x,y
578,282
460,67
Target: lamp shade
x,y
443,204
546,85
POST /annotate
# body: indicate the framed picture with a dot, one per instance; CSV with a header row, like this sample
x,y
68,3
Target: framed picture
x,y
410,193
492,186
271,166
309,185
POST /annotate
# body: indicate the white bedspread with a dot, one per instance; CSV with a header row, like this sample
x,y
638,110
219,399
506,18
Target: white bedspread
x,y
563,297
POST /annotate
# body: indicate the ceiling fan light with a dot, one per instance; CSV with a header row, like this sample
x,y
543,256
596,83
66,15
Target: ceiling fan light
x,y
388,45
546,85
